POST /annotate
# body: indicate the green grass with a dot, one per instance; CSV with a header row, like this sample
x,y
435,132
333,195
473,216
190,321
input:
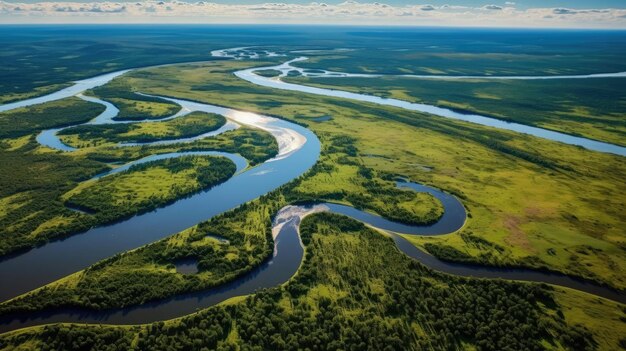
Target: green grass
x,y
593,108
190,125
31,191
149,185
523,193
532,203
133,106
148,272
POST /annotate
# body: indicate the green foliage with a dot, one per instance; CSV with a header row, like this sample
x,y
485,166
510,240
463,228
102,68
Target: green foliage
x,y
447,253
267,72
134,106
364,189
353,291
60,113
190,125
30,189
146,186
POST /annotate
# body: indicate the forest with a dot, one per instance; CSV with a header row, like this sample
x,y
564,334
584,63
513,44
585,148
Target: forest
x,y
33,119
399,305
530,202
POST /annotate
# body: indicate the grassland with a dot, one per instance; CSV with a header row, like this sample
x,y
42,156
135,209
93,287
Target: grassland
x,y
593,108
450,54
193,124
545,203
39,59
148,273
147,186
134,275
532,203
134,106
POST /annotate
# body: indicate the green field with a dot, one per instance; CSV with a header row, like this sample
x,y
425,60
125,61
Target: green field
x,y
538,199
147,186
193,124
132,105
531,202
592,108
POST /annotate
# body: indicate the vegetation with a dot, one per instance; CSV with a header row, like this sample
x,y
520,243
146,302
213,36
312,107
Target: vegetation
x,y
148,273
32,207
193,124
592,108
268,72
33,119
354,291
134,276
538,199
341,177
132,105
147,186
531,202
31,187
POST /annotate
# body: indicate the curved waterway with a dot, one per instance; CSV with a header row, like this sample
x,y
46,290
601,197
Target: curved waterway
x,y
298,150
287,257
277,83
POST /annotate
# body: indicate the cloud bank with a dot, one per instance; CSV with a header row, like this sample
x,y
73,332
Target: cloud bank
x,y
348,12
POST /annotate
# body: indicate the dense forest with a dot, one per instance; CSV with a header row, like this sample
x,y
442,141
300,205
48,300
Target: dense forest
x,y
61,113
33,208
355,291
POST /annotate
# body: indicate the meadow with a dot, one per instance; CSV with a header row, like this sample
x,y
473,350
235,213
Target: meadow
x,y
531,203
190,125
538,199
133,106
592,108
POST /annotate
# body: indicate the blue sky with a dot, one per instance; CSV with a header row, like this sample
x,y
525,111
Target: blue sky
x,y
476,3
461,13
576,4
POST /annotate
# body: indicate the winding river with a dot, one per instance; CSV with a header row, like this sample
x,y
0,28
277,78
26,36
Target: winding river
x,y
299,149
277,83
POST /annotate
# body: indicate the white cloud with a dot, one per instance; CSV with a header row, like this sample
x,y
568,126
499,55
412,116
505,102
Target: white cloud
x,y
492,7
562,11
347,12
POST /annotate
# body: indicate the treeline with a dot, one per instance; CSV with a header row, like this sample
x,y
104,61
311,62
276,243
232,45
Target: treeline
x,y
36,181
31,184
55,114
